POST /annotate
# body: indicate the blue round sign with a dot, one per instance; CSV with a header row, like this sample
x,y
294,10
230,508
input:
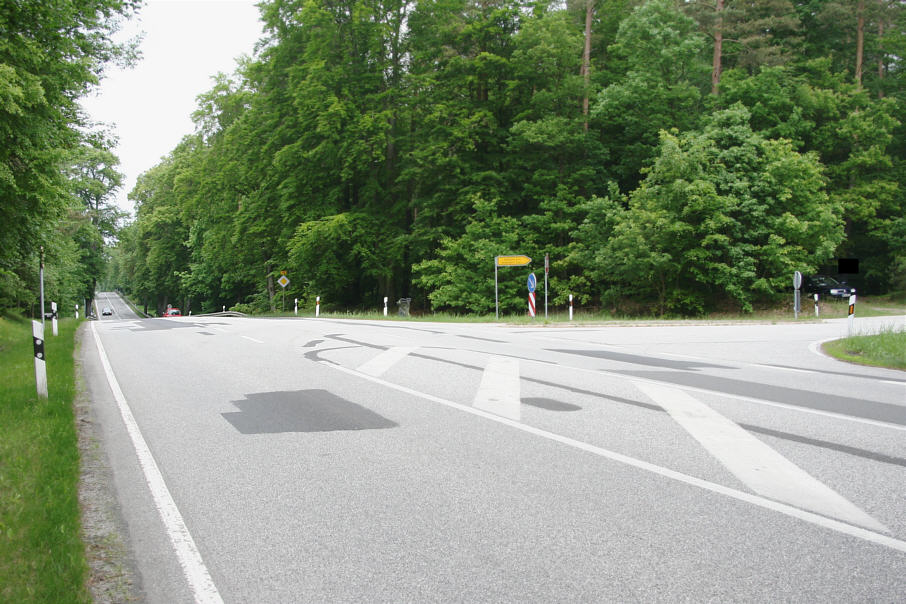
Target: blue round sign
x,y
532,282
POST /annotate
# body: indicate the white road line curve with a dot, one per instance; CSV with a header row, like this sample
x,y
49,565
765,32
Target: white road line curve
x,y
756,500
202,586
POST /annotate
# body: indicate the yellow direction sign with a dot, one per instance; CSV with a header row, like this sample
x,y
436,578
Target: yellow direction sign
x,y
512,260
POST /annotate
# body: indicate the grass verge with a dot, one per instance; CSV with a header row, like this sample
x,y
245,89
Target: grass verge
x,y
42,557
884,349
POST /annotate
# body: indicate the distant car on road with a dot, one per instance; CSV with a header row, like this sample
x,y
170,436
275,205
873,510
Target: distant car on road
x,y
826,285
107,311
173,312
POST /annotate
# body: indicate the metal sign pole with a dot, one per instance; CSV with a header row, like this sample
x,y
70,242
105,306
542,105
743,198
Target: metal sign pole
x,y
547,268
496,296
42,290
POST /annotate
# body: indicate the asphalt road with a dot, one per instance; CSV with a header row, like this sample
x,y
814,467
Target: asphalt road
x,y
320,460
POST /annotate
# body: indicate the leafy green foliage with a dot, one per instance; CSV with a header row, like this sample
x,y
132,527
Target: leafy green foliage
x,y
393,148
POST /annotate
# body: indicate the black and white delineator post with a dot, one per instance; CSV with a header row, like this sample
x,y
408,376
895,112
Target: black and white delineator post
x,y
318,306
296,307
817,312
570,307
385,306
37,330
852,313
76,311
53,322
797,301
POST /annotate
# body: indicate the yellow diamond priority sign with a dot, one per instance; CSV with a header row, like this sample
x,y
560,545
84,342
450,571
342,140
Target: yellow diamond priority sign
x,y
283,281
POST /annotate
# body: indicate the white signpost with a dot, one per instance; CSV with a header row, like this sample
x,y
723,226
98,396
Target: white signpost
x,y
797,303
40,360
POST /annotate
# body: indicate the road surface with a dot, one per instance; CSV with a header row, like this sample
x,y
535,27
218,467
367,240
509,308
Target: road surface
x,y
322,460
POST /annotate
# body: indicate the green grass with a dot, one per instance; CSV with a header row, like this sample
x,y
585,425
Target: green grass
x,y
884,349
42,558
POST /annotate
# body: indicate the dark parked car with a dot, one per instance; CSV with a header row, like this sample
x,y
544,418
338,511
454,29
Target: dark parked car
x,y
825,285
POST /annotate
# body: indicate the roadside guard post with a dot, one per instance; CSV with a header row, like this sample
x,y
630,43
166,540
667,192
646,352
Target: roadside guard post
x,y
40,360
318,306
852,313
385,306
517,260
53,321
532,284
797,283
570,307
817,312
296,307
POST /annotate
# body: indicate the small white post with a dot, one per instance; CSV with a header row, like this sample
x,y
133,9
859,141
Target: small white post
x,y
296,307
76,311
53,309
817,312
318,306
40,360
385,306
570,307
224,307
852,313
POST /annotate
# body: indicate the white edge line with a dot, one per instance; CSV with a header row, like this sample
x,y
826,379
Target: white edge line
x,y
768,504
741,397
253,339
187,553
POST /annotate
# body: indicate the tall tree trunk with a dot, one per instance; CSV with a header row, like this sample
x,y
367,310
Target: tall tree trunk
x,y
586,59
860,42
718,48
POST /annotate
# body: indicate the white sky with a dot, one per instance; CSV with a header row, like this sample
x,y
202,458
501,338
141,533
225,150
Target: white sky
x,y
186,42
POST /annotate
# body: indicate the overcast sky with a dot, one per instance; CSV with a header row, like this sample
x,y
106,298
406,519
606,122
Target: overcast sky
x,y
186,42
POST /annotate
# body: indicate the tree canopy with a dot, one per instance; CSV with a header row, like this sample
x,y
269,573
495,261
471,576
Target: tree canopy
x,y
669,156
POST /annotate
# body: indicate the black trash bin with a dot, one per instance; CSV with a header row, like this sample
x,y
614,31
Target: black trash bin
x,y
403,304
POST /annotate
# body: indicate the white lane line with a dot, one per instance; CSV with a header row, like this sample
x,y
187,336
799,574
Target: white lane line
x,y
757,465
386,359
747,399
756,500
779,368
193,566
499,389
253,339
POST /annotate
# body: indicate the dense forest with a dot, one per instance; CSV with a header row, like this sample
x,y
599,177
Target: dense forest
x,y
57,171
669,156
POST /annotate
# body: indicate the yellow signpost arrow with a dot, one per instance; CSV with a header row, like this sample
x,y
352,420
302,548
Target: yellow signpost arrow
x,y
513,260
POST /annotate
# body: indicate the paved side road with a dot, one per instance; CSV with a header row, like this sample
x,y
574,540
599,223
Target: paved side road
x,y
321,460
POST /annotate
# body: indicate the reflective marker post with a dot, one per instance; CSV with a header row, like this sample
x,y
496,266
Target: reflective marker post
x,y
570,307
817,312
318,306
40,360
852,313
296,307
53,322
385,306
